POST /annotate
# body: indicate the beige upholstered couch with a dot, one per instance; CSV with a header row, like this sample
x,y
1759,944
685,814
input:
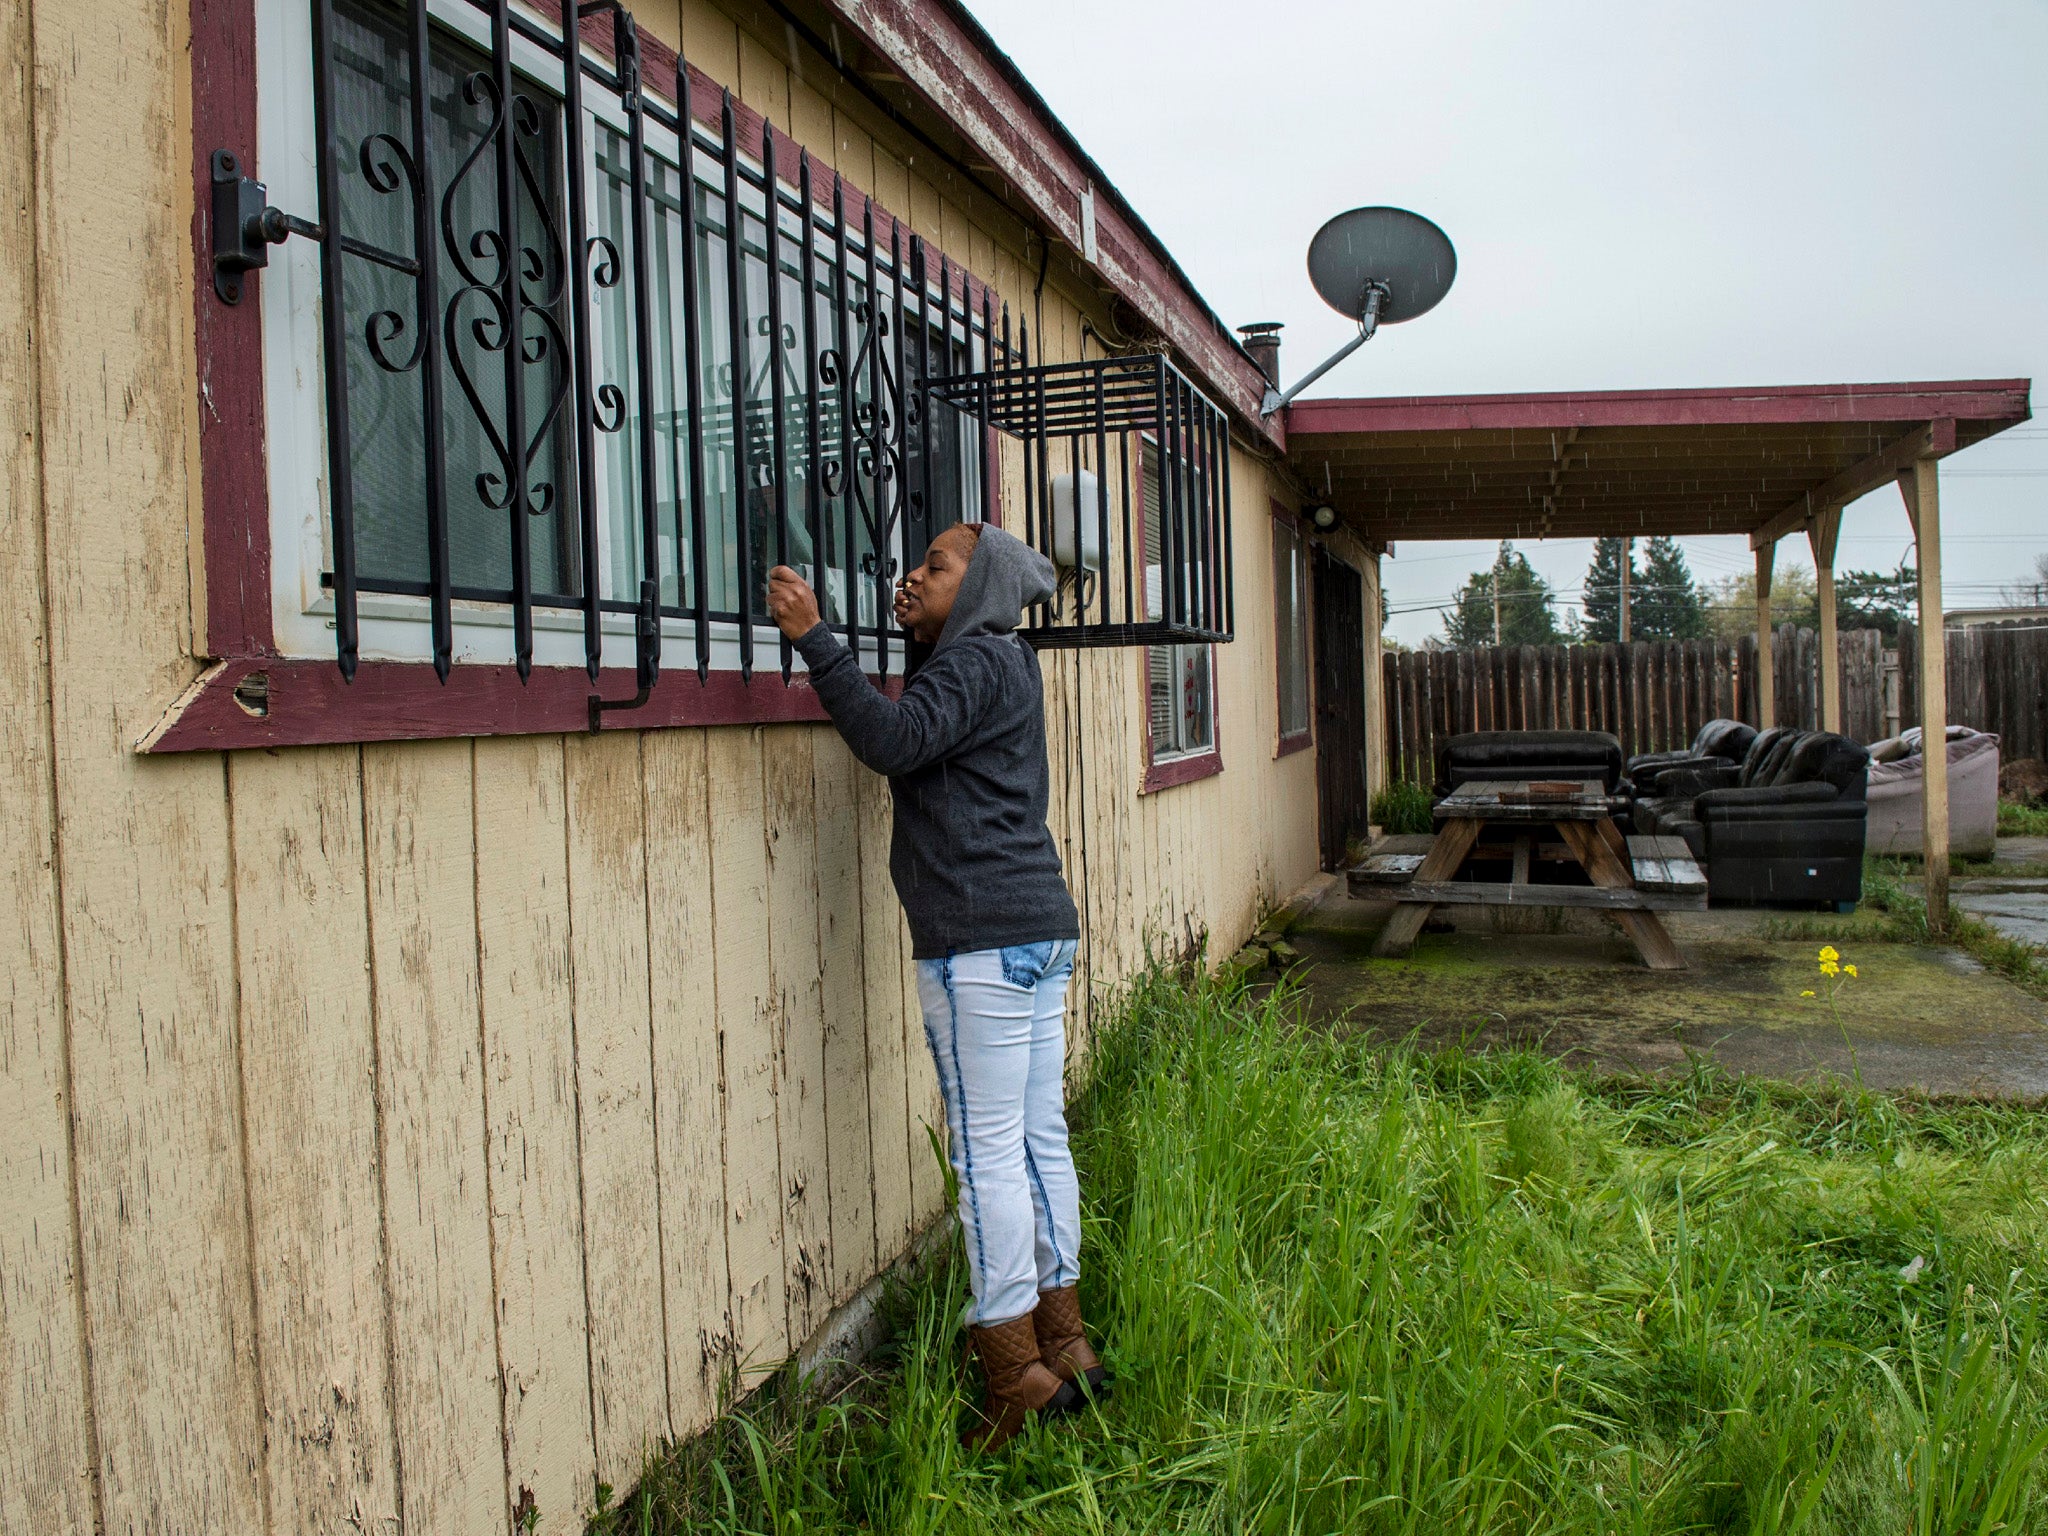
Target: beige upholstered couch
x,y
1897,793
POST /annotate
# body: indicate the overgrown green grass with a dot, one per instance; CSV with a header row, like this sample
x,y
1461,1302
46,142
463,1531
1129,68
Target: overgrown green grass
x,y
1885,890
1355,1291
1403,808
2017,818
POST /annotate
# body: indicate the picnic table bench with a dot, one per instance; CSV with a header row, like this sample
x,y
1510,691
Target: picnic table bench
x,y
1557,823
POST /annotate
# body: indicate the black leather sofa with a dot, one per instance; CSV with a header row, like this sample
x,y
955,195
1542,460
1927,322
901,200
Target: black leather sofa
x,y
1726,740
1528,755
1785,825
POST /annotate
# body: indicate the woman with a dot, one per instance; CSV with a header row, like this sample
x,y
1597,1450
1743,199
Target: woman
x,y
993,933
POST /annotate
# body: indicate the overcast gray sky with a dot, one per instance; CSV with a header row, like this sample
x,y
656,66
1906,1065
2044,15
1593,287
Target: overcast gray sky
x,y
1642,195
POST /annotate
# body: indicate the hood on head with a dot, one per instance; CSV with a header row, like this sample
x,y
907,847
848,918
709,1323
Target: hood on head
x,y
1005,577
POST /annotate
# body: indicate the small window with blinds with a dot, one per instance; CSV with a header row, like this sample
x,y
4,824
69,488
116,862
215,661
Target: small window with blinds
x,y
1180,691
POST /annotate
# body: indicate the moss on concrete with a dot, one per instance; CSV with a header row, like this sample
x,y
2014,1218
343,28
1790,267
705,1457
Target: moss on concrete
x,y
1918,1016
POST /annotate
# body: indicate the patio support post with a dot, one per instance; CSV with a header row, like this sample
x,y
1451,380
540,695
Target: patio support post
x,y
1822,534
1375,682
1919,485
1766,667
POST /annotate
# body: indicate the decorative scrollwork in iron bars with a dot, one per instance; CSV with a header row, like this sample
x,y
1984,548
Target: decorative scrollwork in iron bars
x,y
564,370
1126,488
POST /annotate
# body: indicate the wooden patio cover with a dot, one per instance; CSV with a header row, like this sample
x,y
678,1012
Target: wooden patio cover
x,y
1629,462
1765,463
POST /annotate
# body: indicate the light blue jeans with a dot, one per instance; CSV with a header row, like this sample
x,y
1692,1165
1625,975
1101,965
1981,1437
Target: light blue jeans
x,y
995,1020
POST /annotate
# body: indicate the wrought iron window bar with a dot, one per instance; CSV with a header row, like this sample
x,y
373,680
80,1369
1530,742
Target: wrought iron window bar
x,y
524,287
1084,427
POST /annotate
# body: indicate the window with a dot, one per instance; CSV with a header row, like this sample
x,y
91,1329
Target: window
x,y
1290,629
692,395
1181,701
1085,428
1180,694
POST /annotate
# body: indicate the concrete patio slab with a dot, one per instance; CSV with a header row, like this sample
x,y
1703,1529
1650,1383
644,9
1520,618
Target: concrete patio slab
x,y
1920,1018
2017,909
2010,892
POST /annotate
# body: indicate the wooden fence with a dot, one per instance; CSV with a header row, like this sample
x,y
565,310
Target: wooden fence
x,y
1655,694
1997,681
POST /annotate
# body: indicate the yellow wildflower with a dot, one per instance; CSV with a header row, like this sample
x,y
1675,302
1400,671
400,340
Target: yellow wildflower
x,y
1807,993
1849,970
1829,968
1828,953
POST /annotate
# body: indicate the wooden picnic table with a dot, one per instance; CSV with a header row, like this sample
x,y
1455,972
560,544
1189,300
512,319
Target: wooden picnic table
x,y
1635,878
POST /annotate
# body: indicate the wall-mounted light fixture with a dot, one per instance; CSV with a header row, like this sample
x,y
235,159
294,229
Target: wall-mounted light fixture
x,y
1324,517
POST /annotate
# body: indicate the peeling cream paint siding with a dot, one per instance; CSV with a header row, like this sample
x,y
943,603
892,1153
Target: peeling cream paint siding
x,y
46,1456
398,1138
143,865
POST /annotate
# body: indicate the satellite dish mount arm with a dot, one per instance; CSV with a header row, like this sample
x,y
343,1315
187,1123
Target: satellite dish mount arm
x,y
1368,323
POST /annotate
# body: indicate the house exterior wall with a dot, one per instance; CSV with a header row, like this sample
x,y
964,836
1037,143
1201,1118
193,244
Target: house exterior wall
x,y
395,1136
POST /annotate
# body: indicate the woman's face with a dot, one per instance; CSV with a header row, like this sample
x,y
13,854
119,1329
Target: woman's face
x,y
924,598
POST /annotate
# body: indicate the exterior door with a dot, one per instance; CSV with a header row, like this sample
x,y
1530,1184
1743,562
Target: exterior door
x,y
1340,704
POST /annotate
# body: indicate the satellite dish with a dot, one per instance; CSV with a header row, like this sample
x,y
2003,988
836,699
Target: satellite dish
x,y
1391,248
1378,266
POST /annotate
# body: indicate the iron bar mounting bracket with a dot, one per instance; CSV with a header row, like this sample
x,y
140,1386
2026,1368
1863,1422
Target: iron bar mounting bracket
x,y
647,663
245,226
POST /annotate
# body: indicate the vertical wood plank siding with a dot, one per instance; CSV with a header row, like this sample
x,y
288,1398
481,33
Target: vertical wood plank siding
x,y
419,811
615,1090
532,1134
141,861
797,1009
46,1453
849,1160
309,1077
405,1137
753,1153
688,1075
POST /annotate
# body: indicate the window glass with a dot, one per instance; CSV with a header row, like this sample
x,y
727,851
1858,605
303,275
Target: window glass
x,y
1179,699
388,434
1179,687
387,414
1290,626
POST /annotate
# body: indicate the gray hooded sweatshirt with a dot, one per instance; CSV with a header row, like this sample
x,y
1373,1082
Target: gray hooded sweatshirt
x,y
964,752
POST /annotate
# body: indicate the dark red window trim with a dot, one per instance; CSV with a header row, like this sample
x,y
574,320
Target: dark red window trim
x,y
1194,765
1287,743
304,700
1181,770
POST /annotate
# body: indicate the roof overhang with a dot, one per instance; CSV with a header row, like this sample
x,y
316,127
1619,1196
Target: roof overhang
x,y
1760,462
976,109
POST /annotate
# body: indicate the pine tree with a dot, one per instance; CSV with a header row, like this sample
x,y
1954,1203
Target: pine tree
x,y
1603,591
1669,604
1526,614
1878,600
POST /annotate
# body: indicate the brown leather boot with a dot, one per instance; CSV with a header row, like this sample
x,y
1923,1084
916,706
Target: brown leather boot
x,y
1017,1383
1063,1345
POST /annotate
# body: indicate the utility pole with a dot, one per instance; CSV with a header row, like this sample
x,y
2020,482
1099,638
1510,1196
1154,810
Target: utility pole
x,y
1496,604
1628,560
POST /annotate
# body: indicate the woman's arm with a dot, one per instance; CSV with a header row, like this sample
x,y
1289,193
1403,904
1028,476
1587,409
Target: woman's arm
x,y
896,736
891,736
